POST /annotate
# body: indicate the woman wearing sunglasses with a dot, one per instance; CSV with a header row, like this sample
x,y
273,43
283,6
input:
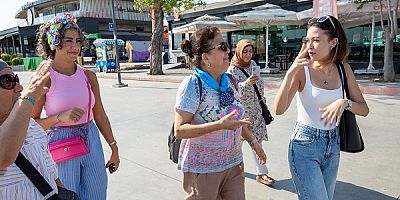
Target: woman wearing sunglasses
x,y
71,105
211,124
314,149
20,133
242,60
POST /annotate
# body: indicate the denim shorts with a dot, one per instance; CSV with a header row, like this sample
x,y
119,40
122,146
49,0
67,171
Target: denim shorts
x,y
314,156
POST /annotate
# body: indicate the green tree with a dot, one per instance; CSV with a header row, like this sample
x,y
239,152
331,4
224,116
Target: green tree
x,y
388,12
158,8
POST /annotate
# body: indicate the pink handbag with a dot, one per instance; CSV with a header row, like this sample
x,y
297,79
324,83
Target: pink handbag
x,y
75,146
69,148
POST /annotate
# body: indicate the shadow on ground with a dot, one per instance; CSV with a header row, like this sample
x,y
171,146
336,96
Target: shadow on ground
x,y
343,190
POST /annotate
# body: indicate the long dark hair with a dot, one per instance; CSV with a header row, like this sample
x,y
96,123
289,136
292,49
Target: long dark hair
x,y
341,51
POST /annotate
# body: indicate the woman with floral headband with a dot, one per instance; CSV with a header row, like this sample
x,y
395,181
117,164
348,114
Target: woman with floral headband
x,y
71,104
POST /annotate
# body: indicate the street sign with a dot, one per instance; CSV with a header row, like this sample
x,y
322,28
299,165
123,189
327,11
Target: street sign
x,y
110,26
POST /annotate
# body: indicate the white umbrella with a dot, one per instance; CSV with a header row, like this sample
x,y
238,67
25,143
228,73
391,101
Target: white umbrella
x,y
351,15
207,17
266,6
266,15
206,21
274,16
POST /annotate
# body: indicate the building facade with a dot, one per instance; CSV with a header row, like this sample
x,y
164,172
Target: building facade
x,y
94,17
285,41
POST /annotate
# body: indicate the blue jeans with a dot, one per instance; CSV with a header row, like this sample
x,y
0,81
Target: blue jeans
x,y
314,156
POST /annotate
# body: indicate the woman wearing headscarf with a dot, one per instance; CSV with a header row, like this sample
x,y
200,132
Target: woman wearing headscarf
x,y
242,62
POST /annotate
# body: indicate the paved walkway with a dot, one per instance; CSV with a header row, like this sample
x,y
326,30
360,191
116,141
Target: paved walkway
x,y
369,84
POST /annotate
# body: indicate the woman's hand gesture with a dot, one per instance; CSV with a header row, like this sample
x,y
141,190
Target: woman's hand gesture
x,y
333,112
301,60
230,124
71,115
36,87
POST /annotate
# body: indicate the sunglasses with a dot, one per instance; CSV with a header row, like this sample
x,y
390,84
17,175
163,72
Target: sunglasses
x,y
8,81
322,20
223,46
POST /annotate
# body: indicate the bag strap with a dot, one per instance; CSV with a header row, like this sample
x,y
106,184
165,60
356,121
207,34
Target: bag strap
x,y
343,79
85,71
254,85
200,85
34,176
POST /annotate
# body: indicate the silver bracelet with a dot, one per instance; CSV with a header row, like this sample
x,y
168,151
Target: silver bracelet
x,y
114,142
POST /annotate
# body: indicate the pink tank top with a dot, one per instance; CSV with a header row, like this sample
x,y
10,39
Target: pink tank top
x,y
67,92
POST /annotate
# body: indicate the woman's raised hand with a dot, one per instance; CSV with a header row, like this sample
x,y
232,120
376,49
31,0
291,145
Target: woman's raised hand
x,y
230,124
301,60
252,80
36,87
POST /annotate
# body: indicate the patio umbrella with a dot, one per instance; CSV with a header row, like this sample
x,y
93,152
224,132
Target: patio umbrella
x,y
206,21
207,17
266,15
351,15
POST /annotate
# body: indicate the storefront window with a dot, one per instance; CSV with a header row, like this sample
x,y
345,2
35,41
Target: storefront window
x,y
177,40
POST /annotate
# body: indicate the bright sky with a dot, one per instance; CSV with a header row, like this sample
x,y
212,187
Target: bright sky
x,y
9,9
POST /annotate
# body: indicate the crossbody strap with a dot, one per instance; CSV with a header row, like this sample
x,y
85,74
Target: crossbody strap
x,y
85,71
200,85
254,85
343,79
34,176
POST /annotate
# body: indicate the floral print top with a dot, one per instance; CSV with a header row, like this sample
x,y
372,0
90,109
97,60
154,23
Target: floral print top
x,y
249,100
215,151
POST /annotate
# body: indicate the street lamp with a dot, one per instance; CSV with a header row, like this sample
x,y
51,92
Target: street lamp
x,y
284,47
119,84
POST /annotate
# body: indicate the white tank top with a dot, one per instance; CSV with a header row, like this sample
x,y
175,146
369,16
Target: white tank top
x,y
311,99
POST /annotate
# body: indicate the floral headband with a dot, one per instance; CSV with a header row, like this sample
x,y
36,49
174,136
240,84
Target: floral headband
x,y
53,30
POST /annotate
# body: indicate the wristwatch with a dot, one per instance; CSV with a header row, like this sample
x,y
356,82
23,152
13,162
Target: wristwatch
x,y
349,105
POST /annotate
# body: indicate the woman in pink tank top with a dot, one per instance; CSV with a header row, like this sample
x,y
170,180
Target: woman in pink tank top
x,y
71,104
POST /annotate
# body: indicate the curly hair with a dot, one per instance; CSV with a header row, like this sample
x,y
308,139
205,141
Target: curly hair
x,y
43,47
198,44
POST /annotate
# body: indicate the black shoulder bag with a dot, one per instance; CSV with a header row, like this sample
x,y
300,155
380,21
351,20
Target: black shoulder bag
x,y
40,182
265,112
350,136
173,143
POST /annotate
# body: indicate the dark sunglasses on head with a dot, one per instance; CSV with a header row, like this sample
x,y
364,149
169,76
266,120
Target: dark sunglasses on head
x,y
322,20
8,81
224,46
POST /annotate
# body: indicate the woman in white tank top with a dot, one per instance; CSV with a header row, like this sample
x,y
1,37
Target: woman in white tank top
x,y
314,149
